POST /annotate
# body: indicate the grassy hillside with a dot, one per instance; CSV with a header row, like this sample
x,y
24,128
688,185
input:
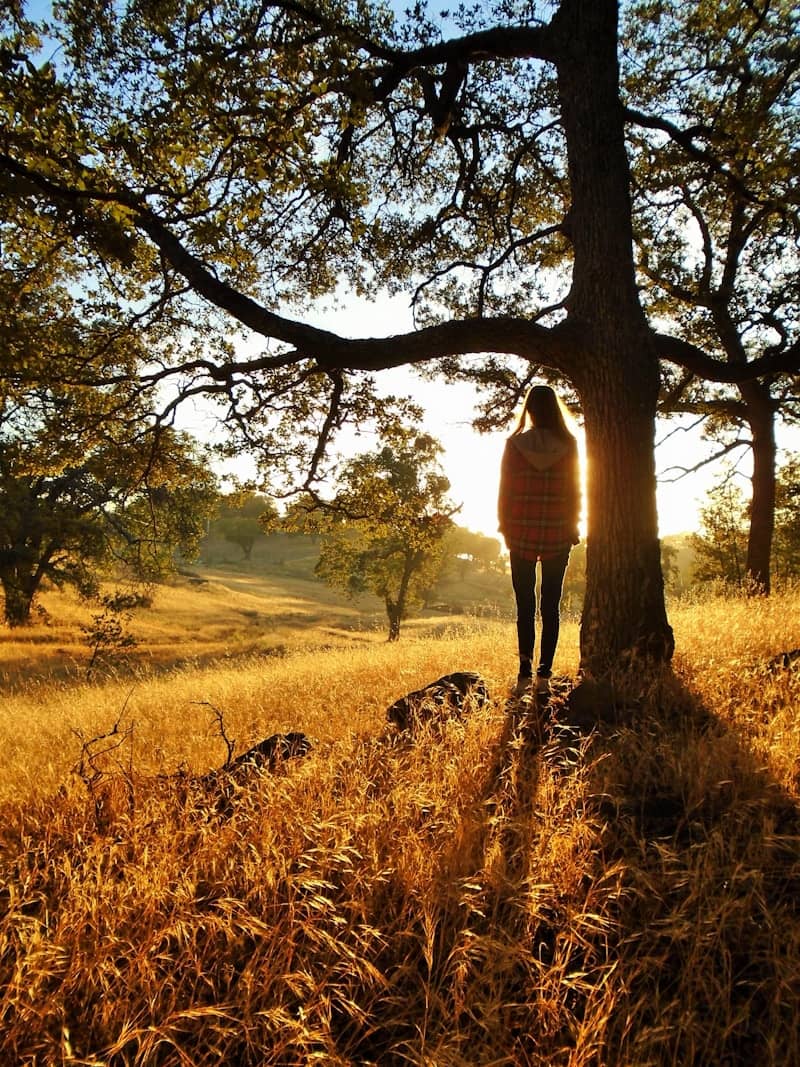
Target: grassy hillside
x,y
264,607
502,890
462,588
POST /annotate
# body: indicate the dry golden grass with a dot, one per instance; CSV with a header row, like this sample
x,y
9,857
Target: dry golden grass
x,y
227,615
497,891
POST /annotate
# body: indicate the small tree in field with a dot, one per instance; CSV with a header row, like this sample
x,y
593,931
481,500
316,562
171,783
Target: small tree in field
x,y
721,544
383,530
243,518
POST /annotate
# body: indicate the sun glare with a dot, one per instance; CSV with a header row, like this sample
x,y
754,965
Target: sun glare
x,y
472,463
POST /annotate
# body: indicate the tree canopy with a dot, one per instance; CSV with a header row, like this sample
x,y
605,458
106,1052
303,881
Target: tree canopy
x,y
248,158
121,502
89,477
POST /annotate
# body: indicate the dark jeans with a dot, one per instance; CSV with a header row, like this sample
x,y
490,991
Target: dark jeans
x,y
523,578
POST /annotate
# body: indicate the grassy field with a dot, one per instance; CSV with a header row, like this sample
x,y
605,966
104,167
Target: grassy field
x,y
230,609
497,890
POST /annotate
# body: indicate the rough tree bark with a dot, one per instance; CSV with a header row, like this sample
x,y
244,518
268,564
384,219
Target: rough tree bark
x,y
760,414
617,375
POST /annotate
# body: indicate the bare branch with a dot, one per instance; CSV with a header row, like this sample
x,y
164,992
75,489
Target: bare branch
x,y
684,354
681,429
685,139
684,471
327,427
219,718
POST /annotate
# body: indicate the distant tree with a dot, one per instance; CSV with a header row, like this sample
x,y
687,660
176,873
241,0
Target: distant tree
x,y
786,549
242,519
383,529
466,550
669,565
81,490
721,544
575,577
88,479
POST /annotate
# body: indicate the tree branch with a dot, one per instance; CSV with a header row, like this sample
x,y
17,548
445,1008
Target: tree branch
x,y
685,139
685,354
559,346
684,471
500,42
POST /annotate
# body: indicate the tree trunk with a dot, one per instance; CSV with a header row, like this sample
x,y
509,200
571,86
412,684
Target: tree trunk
x,y
395,617
396,609
624,615
18,595
616,370
761,420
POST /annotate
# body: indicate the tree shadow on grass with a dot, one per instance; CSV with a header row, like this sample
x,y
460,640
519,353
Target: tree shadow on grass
x,y
463,950
702,930
632,895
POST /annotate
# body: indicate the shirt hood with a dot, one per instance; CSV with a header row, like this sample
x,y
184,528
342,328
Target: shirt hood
x,y
539,447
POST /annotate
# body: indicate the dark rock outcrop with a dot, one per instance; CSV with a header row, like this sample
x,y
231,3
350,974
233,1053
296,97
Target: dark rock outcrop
x,y
448,697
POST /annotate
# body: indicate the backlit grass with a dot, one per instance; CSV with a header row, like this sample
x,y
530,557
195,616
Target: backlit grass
x,y
498,891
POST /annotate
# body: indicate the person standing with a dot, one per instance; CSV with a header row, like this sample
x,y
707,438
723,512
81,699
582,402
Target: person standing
x,y
538,509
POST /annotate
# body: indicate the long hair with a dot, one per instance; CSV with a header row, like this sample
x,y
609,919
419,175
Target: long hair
x,y
543,409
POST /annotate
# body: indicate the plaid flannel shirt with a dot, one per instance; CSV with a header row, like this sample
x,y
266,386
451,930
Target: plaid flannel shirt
x,y
538,508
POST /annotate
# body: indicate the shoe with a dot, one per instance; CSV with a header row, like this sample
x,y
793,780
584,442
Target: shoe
x,y
523,686
542,686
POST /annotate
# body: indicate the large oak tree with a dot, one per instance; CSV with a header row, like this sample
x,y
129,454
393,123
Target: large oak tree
x,y
256,156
